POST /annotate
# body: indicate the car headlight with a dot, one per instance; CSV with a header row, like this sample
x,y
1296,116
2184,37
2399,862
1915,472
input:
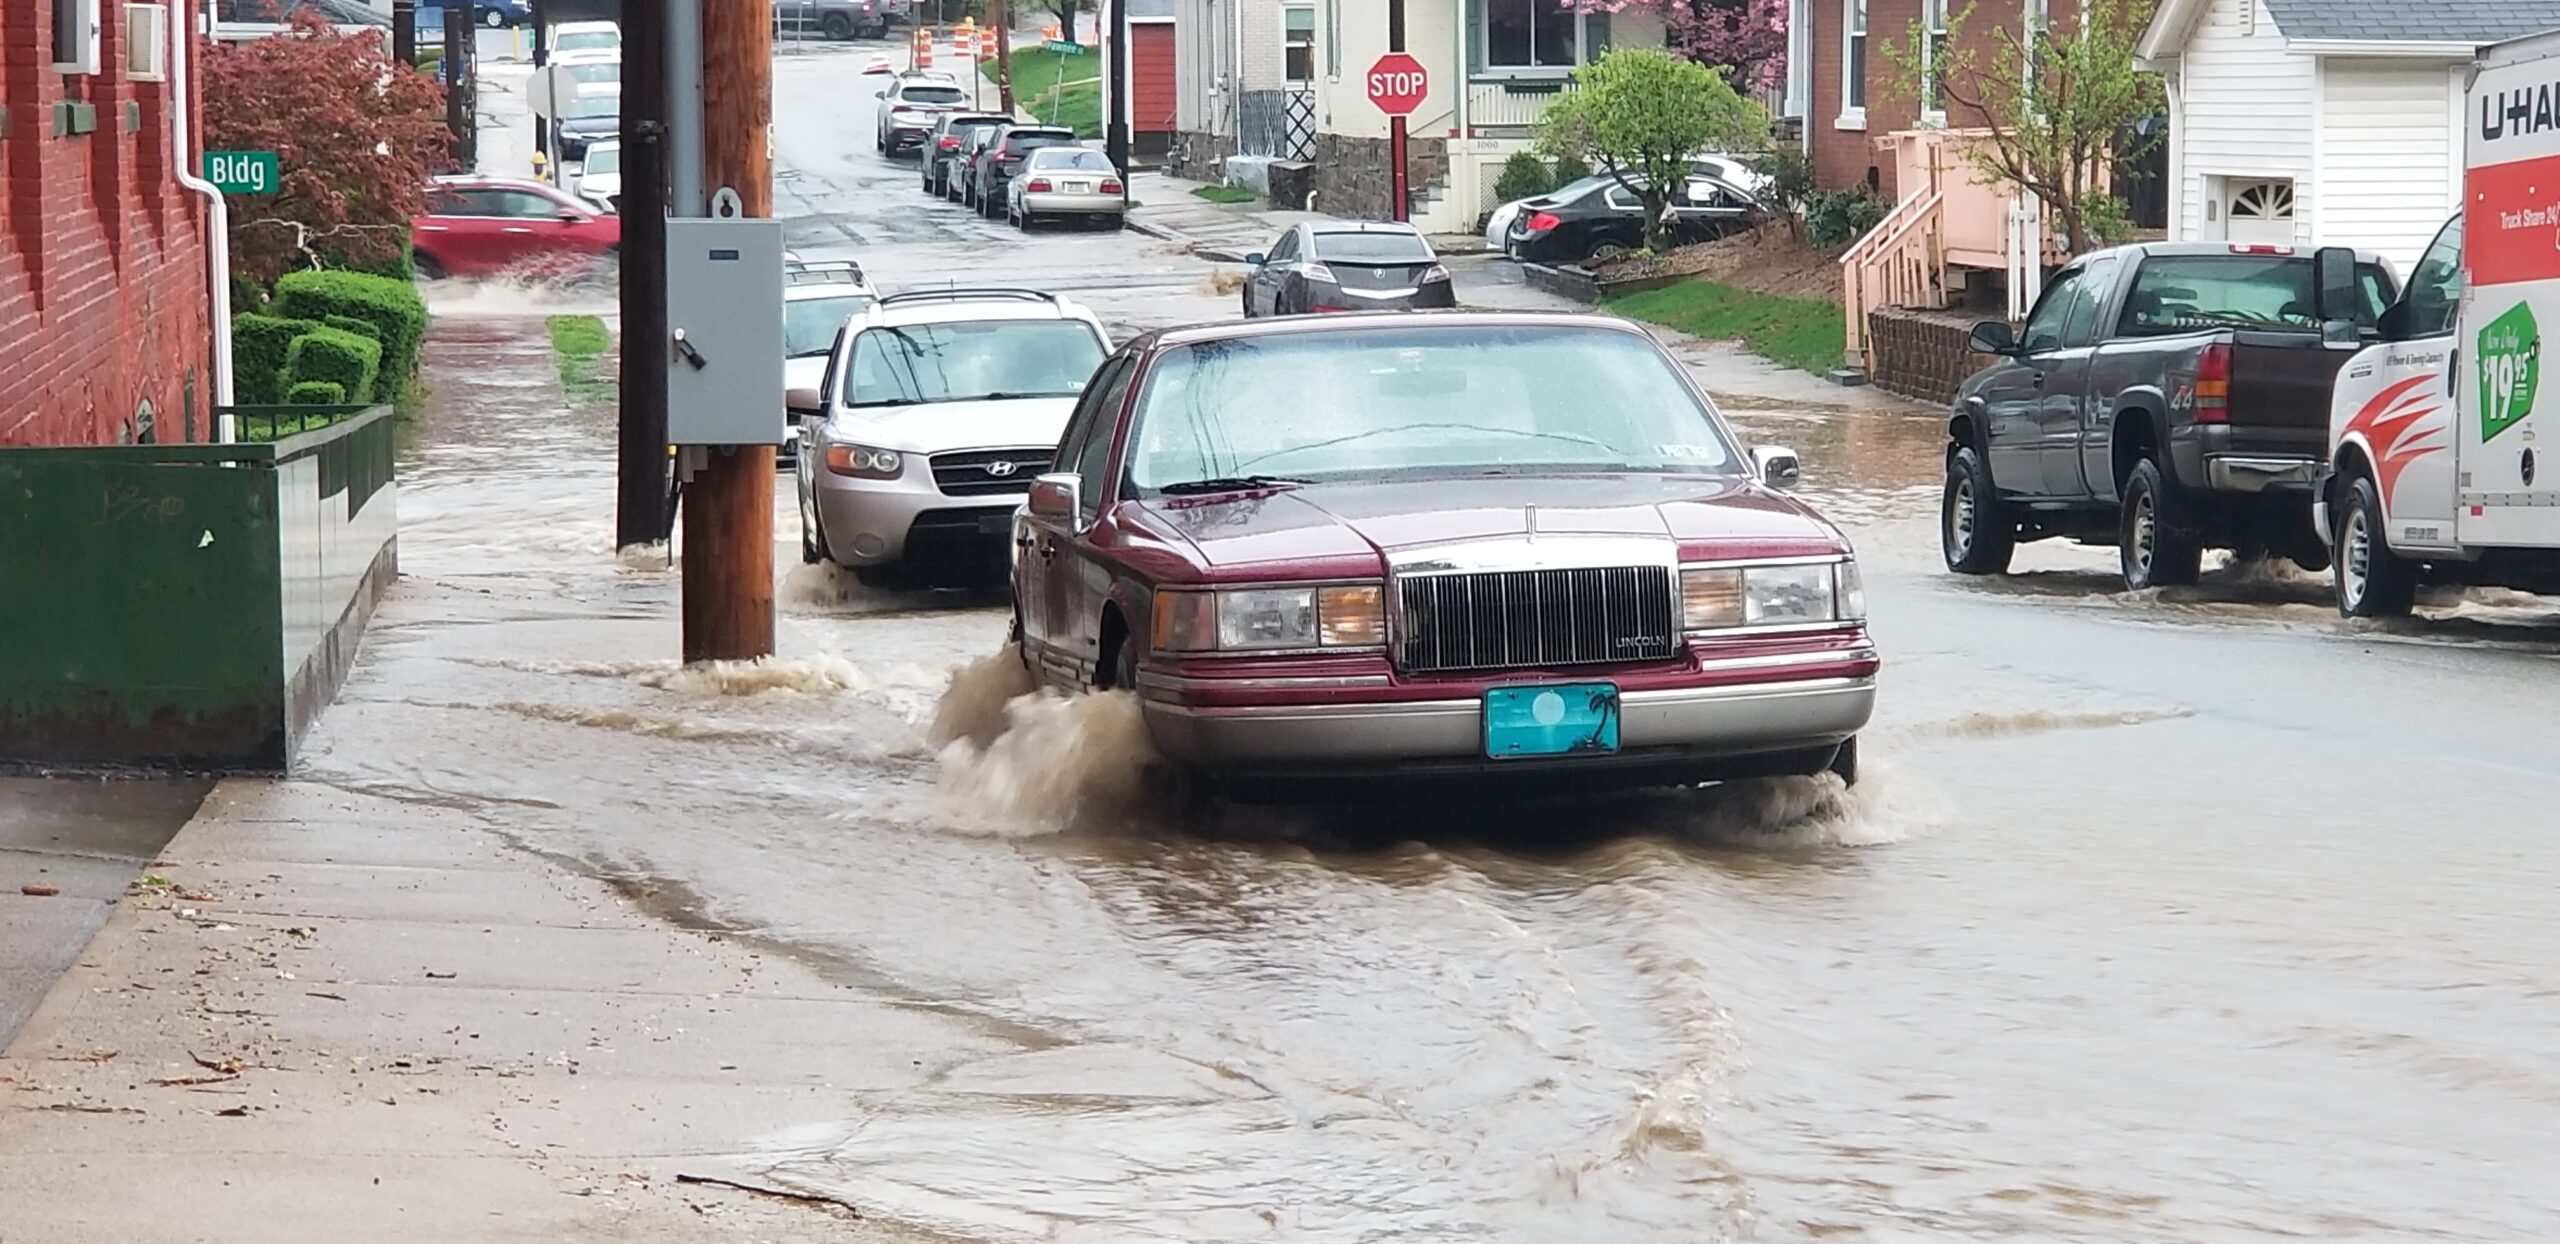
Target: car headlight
x,y
1723,597
863,462
1271,619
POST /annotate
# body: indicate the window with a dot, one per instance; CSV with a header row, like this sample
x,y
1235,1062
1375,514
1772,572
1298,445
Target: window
x,y
1531,34
597,106
1101,420
1933,42
1284,250
602,158
2184,293
2045,323
932,95
2435,287
1298,45
918,364
1417,402
2039,30
2081,326
1853,60
504,205
1333,39
588,41
1367,246
75,35
1080,159
809,326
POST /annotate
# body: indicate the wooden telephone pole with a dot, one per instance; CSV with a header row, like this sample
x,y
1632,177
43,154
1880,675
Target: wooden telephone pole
x,y
1000,16
728,504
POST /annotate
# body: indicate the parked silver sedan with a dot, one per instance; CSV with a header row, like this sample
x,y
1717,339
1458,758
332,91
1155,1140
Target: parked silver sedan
x,y
1077,183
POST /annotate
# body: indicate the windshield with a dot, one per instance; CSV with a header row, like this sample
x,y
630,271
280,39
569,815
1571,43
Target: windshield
x,y
809,326
603,158
919,363
1367,247
1084,159
931,95
600,71
586,41
1412,401
2183,293
603,106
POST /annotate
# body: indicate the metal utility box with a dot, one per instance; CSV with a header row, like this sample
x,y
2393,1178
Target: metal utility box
x,y
724,307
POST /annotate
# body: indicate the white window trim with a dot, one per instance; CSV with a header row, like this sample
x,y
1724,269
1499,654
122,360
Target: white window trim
x,y
1332,52
1314,45
1853,108
1494,73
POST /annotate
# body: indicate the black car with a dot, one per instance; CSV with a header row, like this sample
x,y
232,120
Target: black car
x,y
1347,266
950,144
1603,218
1005,151
585,122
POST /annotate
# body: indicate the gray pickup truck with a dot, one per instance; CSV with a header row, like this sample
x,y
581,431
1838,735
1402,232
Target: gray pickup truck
x,y
2164,399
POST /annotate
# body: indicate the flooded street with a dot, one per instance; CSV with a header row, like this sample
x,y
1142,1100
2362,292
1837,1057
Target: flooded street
x,y
2179,917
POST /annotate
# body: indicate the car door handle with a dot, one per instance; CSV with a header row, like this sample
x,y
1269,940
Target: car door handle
x,y
2039,380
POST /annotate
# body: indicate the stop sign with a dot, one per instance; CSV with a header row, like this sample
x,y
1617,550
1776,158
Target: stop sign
x,y
1397,84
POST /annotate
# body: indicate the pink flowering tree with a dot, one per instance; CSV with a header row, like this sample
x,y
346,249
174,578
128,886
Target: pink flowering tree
x,y
1747,38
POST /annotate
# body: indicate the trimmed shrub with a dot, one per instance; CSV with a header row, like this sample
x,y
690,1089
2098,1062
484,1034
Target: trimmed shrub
x,y
315,393
391,305
1524,176
351,360
1839,217
350,324
399,266
247,296
258,347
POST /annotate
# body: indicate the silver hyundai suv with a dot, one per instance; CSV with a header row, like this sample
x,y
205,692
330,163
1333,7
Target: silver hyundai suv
x,y
936,410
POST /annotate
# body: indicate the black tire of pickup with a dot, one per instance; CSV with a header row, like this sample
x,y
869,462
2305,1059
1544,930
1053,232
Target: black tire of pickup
x,y
2372,581
1974,529
2156,541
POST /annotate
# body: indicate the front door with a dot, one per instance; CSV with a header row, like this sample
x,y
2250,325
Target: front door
x,y
2064,398
2013,398
1263,286
1042,545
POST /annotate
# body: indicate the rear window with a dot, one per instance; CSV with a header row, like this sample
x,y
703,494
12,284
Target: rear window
x,y
932,95
917,364
1084,159
809,326
586,41
2184,293
1365,247
1032,140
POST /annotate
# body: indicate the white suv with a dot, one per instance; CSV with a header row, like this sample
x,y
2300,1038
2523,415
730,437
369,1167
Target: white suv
x,y
937,409
910,107
819,300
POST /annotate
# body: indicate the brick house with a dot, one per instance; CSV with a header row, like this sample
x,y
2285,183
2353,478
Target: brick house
x,y
1852,97
104,296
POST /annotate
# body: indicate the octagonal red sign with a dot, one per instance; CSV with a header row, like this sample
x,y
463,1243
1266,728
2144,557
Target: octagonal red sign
x,y
1397,84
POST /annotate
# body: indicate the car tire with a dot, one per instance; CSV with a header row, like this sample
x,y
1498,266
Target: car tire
x,y
428,266
1603,251
2155,540
495,20
811,553
1974,531
837,27
2371,580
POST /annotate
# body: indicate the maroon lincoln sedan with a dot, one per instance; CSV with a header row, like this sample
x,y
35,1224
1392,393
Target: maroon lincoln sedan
x,y
1488,547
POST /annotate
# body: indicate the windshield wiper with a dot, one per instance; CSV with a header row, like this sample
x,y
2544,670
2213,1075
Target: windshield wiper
x,y
889,401
1231,483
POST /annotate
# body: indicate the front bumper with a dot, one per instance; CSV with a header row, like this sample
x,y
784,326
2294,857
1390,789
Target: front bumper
x,y
884,522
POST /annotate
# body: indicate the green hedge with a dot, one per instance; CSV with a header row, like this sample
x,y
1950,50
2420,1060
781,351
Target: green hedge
x,y
316,393
259,344
351,360
390,304
350,324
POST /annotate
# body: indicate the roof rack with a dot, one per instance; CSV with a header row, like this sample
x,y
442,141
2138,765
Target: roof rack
x,y
964,293
822,272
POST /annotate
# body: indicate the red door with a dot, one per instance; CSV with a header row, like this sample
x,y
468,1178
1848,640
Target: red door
x,y
1151,78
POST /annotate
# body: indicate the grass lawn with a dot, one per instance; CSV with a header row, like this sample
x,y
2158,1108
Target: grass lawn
x,y
1226,194
580,342
1037,72
1803,333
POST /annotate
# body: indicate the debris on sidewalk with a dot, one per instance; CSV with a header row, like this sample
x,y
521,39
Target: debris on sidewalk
x,y
38,890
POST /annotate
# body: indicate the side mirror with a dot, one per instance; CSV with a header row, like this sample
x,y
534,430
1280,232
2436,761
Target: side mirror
x,y
1255,259
804,403
1777,467
2334,286
570,216
1992,337
1058,495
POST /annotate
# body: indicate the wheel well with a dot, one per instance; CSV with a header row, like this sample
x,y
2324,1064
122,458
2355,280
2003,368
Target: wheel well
x,y
1115,635
2134,441
1961,432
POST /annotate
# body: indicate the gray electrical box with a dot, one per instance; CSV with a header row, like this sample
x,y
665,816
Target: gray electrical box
x,y
724,305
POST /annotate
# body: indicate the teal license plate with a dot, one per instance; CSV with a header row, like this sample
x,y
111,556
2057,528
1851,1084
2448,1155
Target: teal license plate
x,y
1571,719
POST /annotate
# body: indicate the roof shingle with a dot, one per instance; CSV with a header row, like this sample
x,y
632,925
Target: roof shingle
x,y
2438,21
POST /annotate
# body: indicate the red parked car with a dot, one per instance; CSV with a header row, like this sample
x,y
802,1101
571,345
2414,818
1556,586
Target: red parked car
x,y
482,226
1505,549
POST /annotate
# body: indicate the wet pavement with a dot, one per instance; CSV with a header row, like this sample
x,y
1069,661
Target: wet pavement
x,y
2183,916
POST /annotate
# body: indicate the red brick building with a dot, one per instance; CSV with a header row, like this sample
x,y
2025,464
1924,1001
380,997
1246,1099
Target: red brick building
x,y
1853,92
104,302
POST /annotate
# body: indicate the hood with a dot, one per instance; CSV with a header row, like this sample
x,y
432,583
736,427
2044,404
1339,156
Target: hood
x,y
944,427
1709,516
600,184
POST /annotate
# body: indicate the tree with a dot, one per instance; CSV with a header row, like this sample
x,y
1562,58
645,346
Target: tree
x,y
356,132
1746,38
2057,104
1641,114
1065,11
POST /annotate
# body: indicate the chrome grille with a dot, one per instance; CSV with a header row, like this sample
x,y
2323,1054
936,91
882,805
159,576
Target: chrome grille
x,y
1523,618
966,474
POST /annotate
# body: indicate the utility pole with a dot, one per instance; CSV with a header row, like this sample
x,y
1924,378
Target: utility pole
x,y
1000,14
404,32
640,462
1399,179
541,18
457,108
728,504
1115,71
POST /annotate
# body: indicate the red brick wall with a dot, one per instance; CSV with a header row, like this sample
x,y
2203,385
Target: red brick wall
x,y
1841,157
103,304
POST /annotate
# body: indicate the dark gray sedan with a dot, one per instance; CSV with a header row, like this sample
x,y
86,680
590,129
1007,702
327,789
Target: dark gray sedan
x,y
1347,266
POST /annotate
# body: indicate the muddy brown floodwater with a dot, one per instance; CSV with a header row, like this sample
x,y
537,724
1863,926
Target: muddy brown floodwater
x,y
2074,963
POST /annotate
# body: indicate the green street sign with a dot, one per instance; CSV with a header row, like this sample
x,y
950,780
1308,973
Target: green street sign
x,y
1063,47
2510,357
243,172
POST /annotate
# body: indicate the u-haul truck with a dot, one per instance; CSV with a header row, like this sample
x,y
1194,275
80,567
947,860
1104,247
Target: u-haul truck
x,y
2441,471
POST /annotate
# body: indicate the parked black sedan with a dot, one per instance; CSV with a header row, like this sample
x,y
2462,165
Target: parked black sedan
x,y
1601,218
1347,266
591,119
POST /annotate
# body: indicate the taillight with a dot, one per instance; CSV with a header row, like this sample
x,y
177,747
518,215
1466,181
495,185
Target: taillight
x,y
2260,248
1319,272
1544,221
1326,308
1039,185
1111,187
949,144
2213,384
